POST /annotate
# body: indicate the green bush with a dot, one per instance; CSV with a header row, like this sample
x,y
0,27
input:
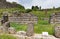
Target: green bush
x,y
28,10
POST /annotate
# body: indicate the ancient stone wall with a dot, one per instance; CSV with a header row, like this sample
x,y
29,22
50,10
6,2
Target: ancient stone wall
x,y
24,19
55,18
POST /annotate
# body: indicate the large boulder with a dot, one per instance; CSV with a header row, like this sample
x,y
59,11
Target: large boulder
x,y
1,29
23,33
11,30
6,25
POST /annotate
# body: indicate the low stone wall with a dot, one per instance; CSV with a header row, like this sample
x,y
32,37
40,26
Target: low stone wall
x,y
23,20
55,18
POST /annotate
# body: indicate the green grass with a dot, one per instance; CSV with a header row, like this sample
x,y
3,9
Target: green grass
x,y
4,36
19,27
9,10
38,28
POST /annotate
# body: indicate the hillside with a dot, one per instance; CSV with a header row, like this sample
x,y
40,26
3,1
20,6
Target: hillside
x,y
5,4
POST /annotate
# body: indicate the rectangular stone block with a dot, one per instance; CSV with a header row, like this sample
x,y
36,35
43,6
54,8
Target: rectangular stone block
x,y
57,31
30,29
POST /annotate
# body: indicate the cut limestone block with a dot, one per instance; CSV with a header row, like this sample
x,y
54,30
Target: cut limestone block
x,y
57,31
23,33
30,29
11,30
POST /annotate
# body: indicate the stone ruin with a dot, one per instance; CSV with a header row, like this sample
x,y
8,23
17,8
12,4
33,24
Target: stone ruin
x,y
23,18
55,19
57,31
29,34
26,18
30,29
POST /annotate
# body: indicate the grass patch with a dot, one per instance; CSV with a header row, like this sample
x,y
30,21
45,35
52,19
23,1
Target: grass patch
x,y
4,36
38,28
18,27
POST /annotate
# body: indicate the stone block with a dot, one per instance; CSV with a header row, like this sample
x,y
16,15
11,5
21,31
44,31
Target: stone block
x,y
30,30
1,29
23,33
28,37
11,30
57,31
22,37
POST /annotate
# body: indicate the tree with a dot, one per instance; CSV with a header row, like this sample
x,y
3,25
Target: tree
x,y
40,8
32,7
28,10
20,6
35,8
53,7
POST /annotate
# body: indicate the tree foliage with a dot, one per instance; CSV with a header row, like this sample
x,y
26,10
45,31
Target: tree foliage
x,y
40,8
35,8
28,10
